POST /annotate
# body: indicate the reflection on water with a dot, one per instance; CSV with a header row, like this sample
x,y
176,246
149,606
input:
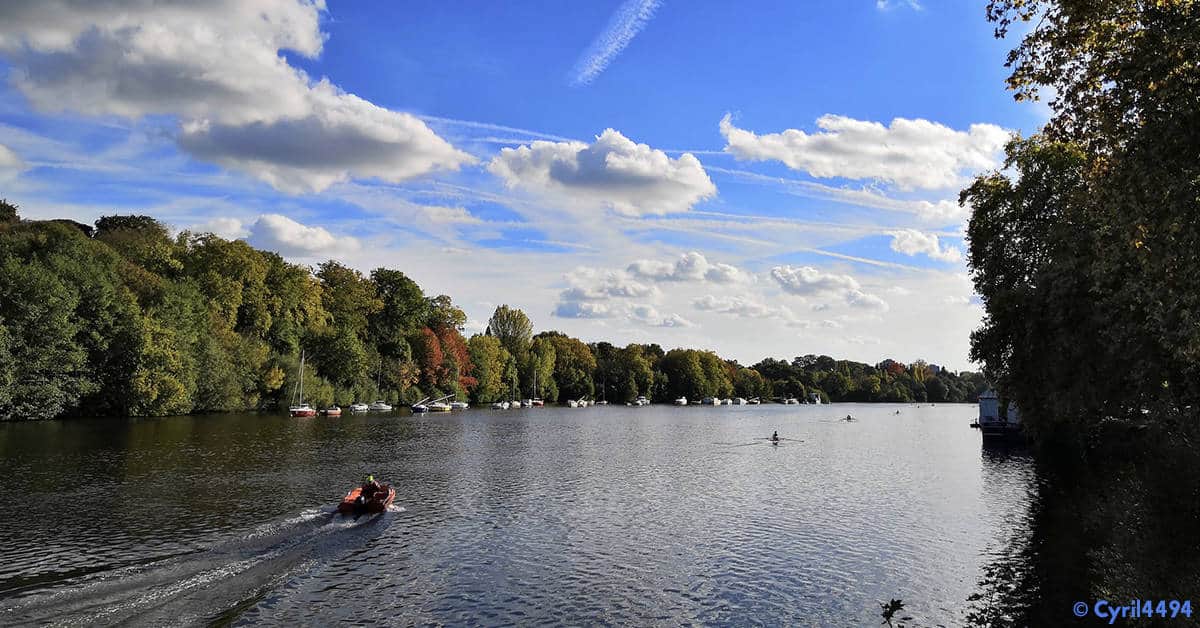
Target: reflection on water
x,y
1120,525
602,515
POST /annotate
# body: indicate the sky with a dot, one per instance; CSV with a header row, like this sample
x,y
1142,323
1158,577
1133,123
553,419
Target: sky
x,y
759,179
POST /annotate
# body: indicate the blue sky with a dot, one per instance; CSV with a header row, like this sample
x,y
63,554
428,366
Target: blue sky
x,y
774,178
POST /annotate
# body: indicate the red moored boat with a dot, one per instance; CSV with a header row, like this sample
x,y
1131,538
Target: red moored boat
x,y
354,503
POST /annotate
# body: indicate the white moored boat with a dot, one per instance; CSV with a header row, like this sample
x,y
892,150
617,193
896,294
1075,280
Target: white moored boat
x,y
459,405
682,401
298,407
500,405
380,406
359,407
739,401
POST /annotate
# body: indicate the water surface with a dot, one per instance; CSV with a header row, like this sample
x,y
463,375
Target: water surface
x,y
654,515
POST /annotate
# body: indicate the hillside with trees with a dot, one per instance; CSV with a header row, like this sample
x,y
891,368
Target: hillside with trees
x,y
122,318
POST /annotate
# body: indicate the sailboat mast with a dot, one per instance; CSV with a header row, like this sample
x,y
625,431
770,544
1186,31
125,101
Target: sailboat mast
x,y
302,377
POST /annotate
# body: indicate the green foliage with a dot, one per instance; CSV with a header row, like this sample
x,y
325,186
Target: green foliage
x,y
1084,248
404,310
490,359
844,380
8,212
573,366
134,322
48,365
512,327
542,359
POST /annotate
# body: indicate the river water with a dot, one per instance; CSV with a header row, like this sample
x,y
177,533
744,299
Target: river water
x,y
613,515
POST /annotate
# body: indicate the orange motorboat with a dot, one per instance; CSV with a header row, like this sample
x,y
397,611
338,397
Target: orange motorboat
x,y
377,501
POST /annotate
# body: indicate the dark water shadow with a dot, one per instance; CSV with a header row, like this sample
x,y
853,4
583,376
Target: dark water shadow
x,y
1121,523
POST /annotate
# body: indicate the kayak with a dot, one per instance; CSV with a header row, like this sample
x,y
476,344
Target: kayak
x,y
378,502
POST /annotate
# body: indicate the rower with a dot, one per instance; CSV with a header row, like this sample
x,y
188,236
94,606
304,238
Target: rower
x,y
775,437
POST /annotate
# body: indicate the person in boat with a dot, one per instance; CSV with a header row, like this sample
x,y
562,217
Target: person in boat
x,y
370,487
775,436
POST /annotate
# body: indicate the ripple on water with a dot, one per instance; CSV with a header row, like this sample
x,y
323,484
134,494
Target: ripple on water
x,y
616,515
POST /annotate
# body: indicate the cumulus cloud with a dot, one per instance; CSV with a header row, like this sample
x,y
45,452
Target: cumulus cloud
x,y
691,266
218,67
908,153
288,237
864,301
583,309
912,242
589,284
613,172
648,315
807,281
343,136
593,293
10,164
742,307
228,228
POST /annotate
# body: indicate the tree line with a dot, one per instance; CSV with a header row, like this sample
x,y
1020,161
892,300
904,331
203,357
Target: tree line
x,y
123,318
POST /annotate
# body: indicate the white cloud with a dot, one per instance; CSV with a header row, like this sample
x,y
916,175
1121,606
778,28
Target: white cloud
x,y
629,20
864,301
807,281
909,153
912,242
10,164
343,136
691,266
648,315
288,237
741,306
228,228
218,67
588,284
613,172
595,293
583,309
821,324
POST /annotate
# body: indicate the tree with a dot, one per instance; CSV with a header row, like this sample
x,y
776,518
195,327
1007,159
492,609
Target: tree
x,y
8,213
350,298
1084,249
512,327
405,309
541,369
49,371
685,374
443,313
489,358
573,365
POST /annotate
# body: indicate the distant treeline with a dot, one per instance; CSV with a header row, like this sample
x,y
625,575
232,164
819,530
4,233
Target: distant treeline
x,y
122,318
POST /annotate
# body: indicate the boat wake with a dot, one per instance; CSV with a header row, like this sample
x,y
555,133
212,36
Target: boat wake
x,y
212,585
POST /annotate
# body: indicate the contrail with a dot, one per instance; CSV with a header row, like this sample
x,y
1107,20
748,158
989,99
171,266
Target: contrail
x,y
629,20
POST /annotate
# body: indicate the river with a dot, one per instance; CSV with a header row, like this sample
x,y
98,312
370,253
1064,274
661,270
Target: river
x,y
614,515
